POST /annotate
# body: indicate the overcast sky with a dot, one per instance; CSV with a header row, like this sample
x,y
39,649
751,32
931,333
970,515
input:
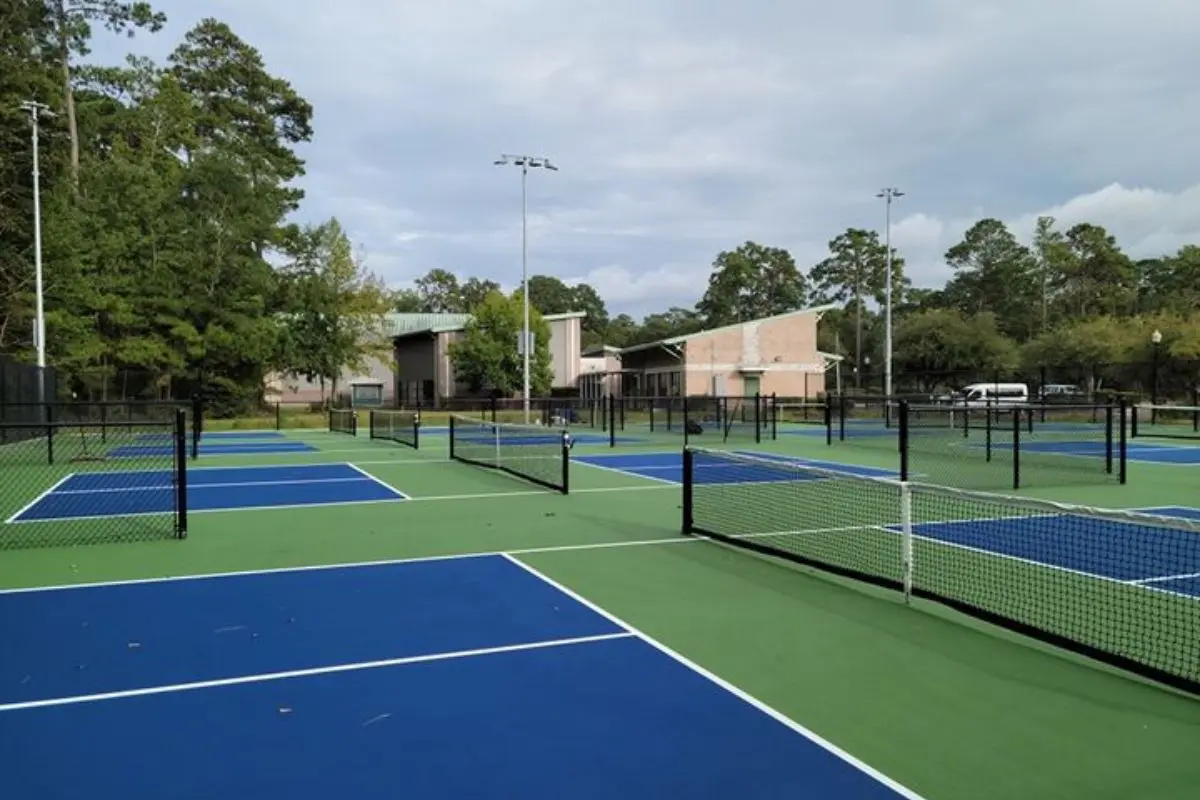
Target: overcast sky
x,y
684,127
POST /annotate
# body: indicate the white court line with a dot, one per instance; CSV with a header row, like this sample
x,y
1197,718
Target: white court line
x,y
38,499
745,697
626,473
305,673
373,479
1165,578
338,504
198,486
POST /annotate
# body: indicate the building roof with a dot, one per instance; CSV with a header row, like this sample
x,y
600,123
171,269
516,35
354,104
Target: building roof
x,y
602,350
401,325
684,338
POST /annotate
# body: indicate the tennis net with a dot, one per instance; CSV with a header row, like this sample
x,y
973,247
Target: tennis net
x,y
1166,422
1120,587
538,454
403,427
343,420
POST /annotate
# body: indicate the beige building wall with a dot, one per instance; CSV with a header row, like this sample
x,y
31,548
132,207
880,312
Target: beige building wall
x,y
766,356
566,334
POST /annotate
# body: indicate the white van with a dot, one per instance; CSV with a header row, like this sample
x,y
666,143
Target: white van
x,y
980,395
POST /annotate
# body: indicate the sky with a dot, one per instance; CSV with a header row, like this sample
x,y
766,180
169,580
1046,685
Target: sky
x,y
682,128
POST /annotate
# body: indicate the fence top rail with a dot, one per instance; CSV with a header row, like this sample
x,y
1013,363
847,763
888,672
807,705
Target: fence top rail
x,y
76,424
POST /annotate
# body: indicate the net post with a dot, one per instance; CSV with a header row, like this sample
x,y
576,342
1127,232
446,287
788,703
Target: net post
x,y
496,438
197,422
1123,449
451,437
611,410
841,417
686,419
758,401
906,527
417,428
1108,438
1016,448
279,416
987,432
621,406
688,473
652,406
181,487
50,443
827,410
904,443
774,416
1133,422
566,464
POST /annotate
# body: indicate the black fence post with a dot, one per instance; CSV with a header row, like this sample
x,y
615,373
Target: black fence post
x,y
1108,439
451,437
1123,453
688,473
611,416
279,416
828,412
1016,448
758,401
181,487
566,463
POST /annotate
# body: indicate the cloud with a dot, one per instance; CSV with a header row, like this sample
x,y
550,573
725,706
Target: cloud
x,y
685,127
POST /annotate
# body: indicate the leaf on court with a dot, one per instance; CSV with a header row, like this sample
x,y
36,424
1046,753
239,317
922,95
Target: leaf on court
x,y
377,718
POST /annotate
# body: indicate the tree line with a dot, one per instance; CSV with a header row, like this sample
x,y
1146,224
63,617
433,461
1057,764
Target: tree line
x,y
1070,300
172,266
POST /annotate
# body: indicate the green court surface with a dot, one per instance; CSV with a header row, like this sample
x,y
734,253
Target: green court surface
x,y
948,706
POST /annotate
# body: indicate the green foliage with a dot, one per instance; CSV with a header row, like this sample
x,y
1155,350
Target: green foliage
x,y
486,356
751,282
947,340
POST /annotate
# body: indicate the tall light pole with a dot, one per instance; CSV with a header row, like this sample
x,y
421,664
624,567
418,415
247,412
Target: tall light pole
x,y
36,110
888,195
525,163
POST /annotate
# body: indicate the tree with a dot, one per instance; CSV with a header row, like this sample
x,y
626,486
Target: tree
x,y
72,25
550,295
1098,278
595,325
1171,282
622,331
944,342
486,356
336,321
856,270
439,292
669,324
749,283
406,301
994,272
1052,257
474,292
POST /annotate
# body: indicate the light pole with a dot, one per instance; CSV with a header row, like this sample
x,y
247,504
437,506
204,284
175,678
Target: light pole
x,y
36,110
888,195
1156,341
525,163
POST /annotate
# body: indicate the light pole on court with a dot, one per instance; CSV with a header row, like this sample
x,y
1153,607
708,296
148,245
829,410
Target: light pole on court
x,y
526,163
36,111
888,195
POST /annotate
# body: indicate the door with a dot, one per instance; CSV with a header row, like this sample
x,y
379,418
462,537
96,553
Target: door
x,y
751,384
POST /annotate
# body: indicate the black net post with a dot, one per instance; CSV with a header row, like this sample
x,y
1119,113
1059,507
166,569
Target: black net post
x,y
1016,448
279,416
566,464
611,420
842,417
774,416
987,432
1108,439
688,474
181,479
758,418
451,437
686,419
1122,444
904,440
828,412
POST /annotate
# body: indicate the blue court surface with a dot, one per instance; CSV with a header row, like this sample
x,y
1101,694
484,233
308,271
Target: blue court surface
x,y
668,467
130,493
1156,453
212,445
459,677
1154,557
